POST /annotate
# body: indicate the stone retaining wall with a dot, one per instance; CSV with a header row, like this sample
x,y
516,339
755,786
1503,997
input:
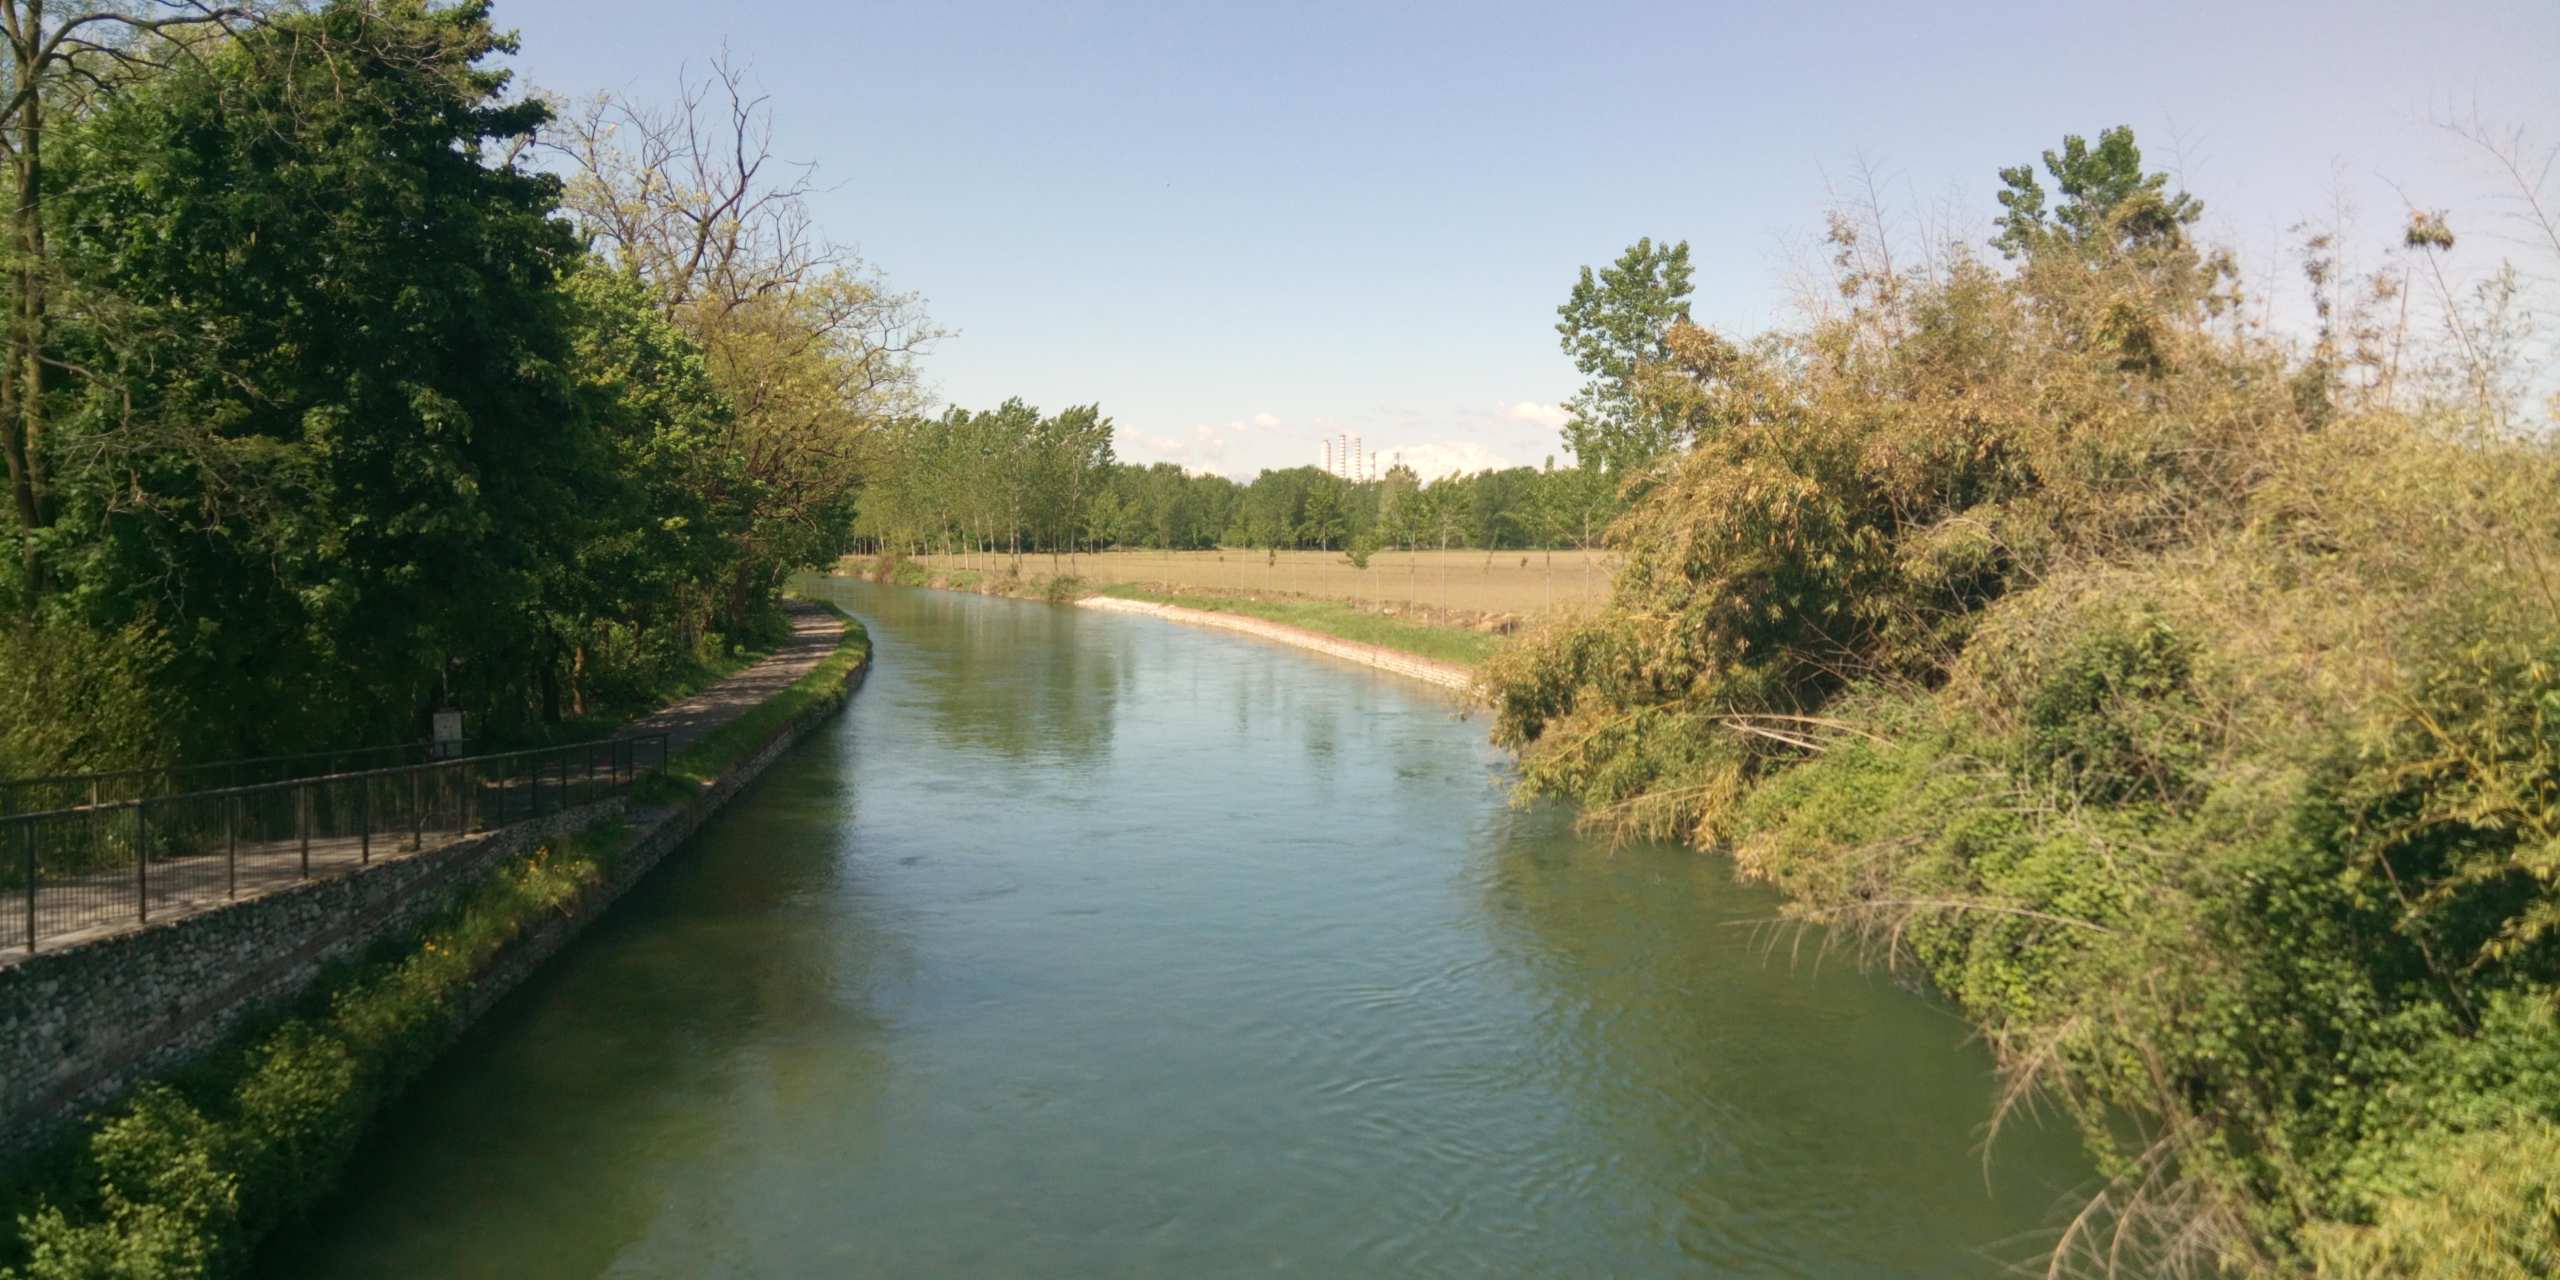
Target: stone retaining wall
x,y
1446,675
81,1025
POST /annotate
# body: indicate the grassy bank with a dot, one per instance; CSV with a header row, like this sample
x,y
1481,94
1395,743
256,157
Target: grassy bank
x,y
186,1177
1461,645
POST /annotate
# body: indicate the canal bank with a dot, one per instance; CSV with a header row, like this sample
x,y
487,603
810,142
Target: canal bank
x,y
190,1172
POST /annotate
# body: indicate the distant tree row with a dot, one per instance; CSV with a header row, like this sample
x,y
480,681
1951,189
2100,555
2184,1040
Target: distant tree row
x,y
1011,481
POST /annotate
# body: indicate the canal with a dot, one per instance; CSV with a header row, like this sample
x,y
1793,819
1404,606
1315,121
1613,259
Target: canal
x,y
1090,945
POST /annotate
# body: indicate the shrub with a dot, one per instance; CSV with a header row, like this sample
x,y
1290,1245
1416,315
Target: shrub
x,y
2198,736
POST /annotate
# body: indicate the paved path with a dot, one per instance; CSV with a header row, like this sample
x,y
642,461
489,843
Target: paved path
x,y
78,908
815,632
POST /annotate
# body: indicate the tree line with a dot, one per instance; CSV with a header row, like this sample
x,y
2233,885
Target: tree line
x,y
346,384
1011,481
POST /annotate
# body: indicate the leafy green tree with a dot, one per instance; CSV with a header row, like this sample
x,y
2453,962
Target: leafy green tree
x,y
2108,203
1324,520
1615,324
64,59
328,442
661,508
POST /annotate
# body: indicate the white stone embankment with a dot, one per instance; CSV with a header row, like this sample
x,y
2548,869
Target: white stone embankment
x,y
1447,675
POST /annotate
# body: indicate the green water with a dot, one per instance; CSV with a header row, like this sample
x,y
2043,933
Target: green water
x,y
1089,945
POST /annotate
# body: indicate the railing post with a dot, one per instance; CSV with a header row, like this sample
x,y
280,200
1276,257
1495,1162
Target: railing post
x,y
142,858
470,796
302,823
417,810
364,820
231,852
27,838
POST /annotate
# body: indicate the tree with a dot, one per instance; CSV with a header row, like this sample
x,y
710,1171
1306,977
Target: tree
x,y
1324,518
1615,324
327,439
1397,505
810,346
74,59
2108,202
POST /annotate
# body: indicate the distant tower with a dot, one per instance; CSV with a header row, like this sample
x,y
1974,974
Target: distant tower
x,y
1355,458
1328,457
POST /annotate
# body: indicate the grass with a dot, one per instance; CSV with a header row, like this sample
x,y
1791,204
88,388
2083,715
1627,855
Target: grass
x,y
1458,646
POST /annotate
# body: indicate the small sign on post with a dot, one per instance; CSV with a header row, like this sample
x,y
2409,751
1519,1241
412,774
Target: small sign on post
x,y
448,735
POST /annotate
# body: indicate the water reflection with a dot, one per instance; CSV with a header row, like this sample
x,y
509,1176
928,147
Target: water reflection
x,y
1672,994
778,1018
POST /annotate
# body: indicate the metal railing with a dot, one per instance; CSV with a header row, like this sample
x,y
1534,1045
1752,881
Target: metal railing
x,y
88,867
75,790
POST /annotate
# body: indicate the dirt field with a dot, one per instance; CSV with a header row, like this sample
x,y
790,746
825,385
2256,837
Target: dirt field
x,y
1526,583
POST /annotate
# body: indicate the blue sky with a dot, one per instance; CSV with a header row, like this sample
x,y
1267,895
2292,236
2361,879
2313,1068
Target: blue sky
x,y
1244,229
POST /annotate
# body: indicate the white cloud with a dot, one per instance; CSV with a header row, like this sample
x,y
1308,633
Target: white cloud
x,y
1544,415
1265,420
1433,459
1200,449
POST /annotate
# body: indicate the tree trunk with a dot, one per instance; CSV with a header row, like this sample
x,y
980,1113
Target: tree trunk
x,y
550,679
23,401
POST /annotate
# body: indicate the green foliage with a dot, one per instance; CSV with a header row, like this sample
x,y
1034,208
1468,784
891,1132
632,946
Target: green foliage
x,y
74,699
329,429
2096,720
1012,482
1616,325
352,428
2485,1206
2108,202
1009,479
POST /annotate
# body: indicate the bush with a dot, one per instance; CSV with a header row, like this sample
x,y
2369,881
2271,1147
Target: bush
x,y
2199,737
78,700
